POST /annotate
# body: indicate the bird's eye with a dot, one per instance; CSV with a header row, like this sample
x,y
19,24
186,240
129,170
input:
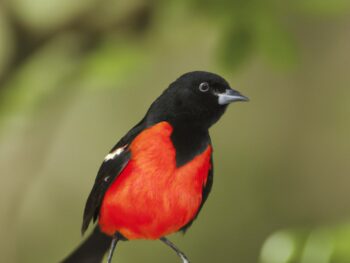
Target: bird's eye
x,y
204,87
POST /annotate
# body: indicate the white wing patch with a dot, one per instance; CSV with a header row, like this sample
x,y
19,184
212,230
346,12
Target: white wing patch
x,y
115,153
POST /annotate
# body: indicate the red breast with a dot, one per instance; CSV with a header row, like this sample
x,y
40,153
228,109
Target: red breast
x,y
151,197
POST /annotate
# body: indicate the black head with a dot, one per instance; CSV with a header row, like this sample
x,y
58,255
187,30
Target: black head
x,y
196,98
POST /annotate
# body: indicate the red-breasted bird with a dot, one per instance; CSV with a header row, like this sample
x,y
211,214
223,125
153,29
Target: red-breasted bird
x,y
156,179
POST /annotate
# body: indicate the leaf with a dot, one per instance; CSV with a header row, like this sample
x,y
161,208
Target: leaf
x,y
39,77
111,63
236,47
44,16
6,42
275,42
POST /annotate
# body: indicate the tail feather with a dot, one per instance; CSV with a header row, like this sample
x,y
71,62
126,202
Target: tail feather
x,y
91,250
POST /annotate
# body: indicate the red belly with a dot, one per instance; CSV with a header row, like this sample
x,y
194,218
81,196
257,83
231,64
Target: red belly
x,y
152,198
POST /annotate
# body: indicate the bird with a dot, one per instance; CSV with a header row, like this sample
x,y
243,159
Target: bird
x,y
156,179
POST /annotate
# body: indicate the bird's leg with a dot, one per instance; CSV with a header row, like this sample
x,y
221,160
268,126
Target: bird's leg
x,y
178,251
112,248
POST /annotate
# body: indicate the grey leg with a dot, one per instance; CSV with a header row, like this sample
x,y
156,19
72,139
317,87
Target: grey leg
x,y
112,248
178,251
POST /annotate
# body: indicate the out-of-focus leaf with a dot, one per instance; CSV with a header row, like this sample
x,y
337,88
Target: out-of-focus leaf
x,y
39,77
322,245
42,15
6,42
278,248
111,63
319,247
324,7
275,41
342,243
111,12
236,47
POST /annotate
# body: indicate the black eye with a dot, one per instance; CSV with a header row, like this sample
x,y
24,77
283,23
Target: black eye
x,y
204,87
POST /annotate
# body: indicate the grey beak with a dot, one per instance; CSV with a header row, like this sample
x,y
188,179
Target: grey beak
x,y
231,96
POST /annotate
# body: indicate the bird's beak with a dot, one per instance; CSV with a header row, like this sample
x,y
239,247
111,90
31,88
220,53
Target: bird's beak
x,y
229,96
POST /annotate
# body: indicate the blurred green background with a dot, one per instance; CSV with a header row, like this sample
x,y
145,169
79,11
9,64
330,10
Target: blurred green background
x,y
76,75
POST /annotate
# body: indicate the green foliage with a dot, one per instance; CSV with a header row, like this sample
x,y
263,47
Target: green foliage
x,y
112,62
46,72
275,42
247,28
321,245
236,47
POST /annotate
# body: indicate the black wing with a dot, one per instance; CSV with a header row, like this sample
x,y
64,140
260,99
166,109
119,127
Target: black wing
x,y
205,193
108,172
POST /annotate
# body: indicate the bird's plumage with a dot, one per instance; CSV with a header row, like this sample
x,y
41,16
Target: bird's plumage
x,y
109,170
156,179
152,197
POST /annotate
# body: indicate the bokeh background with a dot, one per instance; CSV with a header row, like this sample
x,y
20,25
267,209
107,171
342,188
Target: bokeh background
x,y
76,75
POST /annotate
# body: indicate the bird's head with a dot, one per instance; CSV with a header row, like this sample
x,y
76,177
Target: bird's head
x,y
196,98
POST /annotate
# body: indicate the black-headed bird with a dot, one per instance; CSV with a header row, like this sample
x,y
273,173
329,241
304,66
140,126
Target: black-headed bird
x,y
156,179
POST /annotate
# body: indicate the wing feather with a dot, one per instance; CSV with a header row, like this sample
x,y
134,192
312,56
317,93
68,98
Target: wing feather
x,y
112,166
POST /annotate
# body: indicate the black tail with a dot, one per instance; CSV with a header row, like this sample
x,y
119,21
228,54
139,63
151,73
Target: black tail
x,y
91,250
